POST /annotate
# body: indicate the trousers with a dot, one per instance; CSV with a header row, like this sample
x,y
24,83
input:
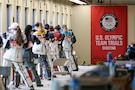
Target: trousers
x,y
27,59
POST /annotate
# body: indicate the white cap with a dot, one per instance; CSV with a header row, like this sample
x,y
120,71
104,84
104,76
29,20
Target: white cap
x,y
13,26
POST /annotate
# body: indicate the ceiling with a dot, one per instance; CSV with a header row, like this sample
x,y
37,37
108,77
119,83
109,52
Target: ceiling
x,y
110,2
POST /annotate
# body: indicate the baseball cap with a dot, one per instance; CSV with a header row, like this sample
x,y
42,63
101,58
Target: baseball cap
x,y
13,25
46,26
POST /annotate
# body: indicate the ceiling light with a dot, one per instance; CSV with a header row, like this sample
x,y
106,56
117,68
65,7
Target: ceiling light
x,y
78,2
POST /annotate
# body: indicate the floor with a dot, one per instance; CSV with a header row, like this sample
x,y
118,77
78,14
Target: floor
x,y
62,80
46,86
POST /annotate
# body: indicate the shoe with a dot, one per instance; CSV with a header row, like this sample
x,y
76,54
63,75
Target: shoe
x,y
32,88
49,79
10,84
40,85
13,87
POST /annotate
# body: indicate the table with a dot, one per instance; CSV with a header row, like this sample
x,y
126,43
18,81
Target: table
x,y
124,81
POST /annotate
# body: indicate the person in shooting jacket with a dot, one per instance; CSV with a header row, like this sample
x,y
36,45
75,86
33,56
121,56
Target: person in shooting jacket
x,y
40,39
130,51
28,55
14,54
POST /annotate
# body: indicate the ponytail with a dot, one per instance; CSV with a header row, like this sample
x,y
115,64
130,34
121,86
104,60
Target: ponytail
x,y
19,39
65,28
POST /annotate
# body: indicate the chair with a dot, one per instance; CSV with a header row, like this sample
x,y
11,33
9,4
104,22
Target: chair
x,y
5,72
60,64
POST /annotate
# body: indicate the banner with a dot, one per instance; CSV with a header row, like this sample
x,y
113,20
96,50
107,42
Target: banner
x,y
108,31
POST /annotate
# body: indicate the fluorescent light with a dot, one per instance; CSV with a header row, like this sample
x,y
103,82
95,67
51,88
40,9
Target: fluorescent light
x,y
78,2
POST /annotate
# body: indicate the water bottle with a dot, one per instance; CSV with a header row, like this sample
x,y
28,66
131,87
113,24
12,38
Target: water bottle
x,y
74,84
112,69
131,63
109,58
133,82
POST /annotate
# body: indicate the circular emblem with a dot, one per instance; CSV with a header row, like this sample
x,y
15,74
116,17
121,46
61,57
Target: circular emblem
x,y
109,22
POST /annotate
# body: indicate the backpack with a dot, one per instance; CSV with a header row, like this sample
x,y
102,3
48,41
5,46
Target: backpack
x,y
73,38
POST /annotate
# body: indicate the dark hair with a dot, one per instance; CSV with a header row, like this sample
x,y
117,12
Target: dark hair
x,y
19,39
4,35
51,28
57,27
1,42
28,29
27,32
134,45
46,26
37,24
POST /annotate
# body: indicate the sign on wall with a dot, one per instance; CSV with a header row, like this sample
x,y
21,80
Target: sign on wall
x,y
108,31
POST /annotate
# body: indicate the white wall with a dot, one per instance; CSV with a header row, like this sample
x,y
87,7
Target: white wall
x,y
81,26
56,6
131,24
